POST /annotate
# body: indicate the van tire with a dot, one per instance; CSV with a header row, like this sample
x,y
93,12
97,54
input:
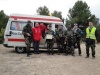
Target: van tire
x,y
20,49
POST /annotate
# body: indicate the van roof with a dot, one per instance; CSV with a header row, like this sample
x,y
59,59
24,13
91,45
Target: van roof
x,y
38,18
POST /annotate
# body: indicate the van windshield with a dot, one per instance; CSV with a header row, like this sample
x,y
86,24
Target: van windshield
x,y
16,25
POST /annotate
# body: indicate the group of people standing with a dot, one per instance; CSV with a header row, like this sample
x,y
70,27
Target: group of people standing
x,y
67,40
33,35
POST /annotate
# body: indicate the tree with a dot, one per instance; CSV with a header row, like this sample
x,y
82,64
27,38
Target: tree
x,y
43,11
2,35
3,19
3,23
57,14
79,13
94,19
98,33
67,22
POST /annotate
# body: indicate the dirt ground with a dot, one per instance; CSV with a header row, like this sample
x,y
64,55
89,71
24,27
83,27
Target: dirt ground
x,y
12,63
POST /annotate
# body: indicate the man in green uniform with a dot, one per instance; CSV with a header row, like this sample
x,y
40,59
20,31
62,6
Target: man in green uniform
x,y
60,38
69,41
50,39
27,32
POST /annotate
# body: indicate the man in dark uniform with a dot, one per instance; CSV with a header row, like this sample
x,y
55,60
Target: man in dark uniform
x,y
69,41
27,32
50,41
77,36
91,34
60,38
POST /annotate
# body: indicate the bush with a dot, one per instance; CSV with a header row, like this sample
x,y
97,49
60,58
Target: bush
x,y
98,33
1,35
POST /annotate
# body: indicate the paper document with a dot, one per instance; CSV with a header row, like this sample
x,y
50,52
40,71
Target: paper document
x,y
48,36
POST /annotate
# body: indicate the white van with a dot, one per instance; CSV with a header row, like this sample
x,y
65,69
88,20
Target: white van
x,y
13,34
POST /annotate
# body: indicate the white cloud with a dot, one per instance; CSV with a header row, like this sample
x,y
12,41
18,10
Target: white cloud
x,y
30,6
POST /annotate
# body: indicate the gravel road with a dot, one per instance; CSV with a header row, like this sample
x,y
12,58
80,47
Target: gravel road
x,y
12,63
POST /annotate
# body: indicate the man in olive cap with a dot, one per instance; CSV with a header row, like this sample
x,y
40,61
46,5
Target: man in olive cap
x,y
69,45
60,38
27,32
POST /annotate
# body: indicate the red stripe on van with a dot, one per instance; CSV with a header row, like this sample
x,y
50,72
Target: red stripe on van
x,y
16,40
29,18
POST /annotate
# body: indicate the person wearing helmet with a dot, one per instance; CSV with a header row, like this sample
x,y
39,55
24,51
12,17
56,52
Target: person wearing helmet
x,y
60,38
27,32
69,41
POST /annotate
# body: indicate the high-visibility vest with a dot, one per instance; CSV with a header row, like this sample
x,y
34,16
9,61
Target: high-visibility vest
x,y
91,34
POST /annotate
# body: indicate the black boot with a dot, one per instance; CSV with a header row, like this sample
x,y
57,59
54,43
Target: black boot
x,y
87,56
80,54
93,56
28,55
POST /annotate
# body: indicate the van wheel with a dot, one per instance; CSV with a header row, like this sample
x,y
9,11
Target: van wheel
x,y
20,49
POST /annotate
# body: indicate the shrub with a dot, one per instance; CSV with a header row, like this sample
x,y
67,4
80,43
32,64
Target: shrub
x,y
1,35
98,33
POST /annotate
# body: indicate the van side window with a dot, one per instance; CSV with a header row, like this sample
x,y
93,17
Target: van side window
x,y
15,25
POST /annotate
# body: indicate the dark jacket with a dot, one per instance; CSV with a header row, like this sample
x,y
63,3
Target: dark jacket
x,y
60,36
27,29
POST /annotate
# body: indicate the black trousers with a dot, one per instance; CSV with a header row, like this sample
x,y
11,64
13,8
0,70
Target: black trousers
x,y
36,46
50,43
90,43
61,47
92,49
78,46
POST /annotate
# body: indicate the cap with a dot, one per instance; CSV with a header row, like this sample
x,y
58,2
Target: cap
x,y
68,25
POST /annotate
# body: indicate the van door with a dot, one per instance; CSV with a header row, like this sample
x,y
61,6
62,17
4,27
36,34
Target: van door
x,y
15,37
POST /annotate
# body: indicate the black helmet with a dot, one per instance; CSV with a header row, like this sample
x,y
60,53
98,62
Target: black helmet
x,y
69,25
28,21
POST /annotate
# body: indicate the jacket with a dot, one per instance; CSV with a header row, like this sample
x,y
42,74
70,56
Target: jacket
x,y
91,34
37,35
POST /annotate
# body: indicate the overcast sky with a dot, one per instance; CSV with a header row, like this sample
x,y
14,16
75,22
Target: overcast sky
x,y
30,6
